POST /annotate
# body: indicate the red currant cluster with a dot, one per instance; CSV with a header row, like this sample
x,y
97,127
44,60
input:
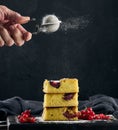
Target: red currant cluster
x,y
26,117
89,114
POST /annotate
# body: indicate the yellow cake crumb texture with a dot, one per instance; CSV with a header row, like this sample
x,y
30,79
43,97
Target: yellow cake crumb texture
x,y
60,99
59,114
64,85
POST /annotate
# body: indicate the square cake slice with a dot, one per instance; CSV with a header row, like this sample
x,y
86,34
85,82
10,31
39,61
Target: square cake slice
x,y
60,114
65,85
60,100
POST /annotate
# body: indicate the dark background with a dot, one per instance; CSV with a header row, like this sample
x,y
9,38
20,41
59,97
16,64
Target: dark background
x,y
89,53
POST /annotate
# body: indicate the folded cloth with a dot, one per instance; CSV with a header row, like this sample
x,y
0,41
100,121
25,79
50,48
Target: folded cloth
x,y
101,104
16,105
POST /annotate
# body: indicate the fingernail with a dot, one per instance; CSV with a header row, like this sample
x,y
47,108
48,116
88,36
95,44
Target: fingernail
x,y
23,19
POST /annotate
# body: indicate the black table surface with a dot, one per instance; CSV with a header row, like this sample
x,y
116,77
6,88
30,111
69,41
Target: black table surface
x,y
12,124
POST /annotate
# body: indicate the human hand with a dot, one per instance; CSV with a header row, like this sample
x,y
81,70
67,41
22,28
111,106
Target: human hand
x,y
11,29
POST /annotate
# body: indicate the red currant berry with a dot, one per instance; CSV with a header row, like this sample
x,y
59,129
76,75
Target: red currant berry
x,y
22,120
55,84
31,119
90,117
89,109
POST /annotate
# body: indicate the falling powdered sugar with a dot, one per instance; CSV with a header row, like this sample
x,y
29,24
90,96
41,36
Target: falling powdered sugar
x,y
74,23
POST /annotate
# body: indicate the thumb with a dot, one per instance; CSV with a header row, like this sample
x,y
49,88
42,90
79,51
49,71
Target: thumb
x,y
21,19
14,17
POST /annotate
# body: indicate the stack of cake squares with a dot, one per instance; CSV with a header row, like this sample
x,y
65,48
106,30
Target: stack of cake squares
x,y
60,99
